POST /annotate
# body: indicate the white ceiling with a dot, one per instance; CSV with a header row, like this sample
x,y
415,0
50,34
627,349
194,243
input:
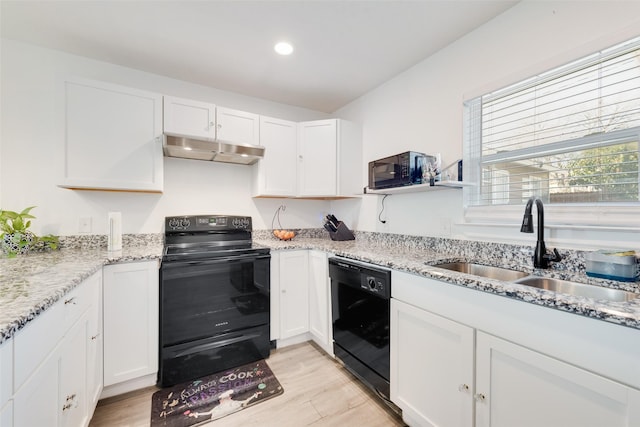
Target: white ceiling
x,y
342,48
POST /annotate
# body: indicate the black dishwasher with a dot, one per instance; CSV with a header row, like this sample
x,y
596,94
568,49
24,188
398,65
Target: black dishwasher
x,y
360,299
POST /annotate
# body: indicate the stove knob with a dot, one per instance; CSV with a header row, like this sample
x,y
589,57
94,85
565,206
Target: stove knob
x,y
185,223
372,283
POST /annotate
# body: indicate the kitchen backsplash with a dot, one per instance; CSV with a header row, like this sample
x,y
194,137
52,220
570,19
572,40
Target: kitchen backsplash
x,y
88,241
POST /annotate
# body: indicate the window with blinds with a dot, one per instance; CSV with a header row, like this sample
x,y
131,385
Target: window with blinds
x,y
570,135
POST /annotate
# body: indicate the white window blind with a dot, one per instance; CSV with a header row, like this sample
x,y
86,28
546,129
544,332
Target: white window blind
x,y
570,135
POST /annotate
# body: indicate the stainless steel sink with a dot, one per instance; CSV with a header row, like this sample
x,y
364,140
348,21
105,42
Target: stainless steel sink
x,y
578,289
483,270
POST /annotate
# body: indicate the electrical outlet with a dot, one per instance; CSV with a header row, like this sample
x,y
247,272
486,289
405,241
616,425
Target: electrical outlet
x,y
445,227
84,225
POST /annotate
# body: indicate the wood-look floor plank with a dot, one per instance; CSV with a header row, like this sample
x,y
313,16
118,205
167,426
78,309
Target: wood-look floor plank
x,y
318,392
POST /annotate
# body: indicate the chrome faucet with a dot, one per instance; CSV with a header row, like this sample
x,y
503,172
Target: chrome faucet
x,y
541,258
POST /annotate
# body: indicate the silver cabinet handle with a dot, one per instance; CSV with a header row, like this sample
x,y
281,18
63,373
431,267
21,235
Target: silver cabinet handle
x,y
463,388
69,402
480,397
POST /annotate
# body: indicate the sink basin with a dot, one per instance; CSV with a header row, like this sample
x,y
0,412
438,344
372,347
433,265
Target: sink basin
x,y
578,289
483,271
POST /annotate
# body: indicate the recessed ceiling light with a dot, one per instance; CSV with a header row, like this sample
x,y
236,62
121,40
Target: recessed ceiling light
x,y
283,48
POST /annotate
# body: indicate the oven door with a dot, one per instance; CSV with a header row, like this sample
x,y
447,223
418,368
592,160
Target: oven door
x,y
205,298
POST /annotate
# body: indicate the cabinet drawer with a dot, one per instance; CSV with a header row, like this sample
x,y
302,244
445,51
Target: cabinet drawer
x,y
77,302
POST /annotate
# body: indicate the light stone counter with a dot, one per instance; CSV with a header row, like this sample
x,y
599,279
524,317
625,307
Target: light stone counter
x,y
417,255
30,284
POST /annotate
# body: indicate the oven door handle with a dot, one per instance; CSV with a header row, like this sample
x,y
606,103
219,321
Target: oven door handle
x,y
232,259
212,345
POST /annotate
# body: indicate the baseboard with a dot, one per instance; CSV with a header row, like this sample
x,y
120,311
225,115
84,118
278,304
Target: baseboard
x,y
128,386
293,340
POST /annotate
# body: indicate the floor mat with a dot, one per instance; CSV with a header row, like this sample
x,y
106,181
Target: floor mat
x,y
214,396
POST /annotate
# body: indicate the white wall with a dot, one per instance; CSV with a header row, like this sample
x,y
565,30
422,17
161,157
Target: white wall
x,y
421,109
31,162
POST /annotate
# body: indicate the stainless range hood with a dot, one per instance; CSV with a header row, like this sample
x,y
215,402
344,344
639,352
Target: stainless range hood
x,y
189,147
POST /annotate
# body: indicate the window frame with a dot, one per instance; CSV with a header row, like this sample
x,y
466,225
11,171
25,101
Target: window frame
x,y
615,215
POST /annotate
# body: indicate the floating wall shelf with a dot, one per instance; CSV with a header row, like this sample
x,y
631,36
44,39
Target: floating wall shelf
x,y
418,188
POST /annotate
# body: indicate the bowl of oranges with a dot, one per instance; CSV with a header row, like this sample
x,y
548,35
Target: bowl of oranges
x,y
284,234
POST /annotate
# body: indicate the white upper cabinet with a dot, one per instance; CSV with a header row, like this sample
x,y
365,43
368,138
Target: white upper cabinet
x,y
329,159
189,117
317,155
113,137
205,120
275,174
237,126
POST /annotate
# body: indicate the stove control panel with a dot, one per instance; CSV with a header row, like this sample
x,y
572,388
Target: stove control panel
x,y
200,223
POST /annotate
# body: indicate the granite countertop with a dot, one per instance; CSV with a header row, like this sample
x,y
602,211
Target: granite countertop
x,y
419,261
30,284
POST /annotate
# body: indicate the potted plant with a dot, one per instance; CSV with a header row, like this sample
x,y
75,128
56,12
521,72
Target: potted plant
x,y
17,239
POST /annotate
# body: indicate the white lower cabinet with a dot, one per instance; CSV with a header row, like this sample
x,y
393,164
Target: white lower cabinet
x,y
6,383
52,387
95,355
37,403
516,386
73,398
130,304
294,293
320,301
431,367
449,367
6,414
301,298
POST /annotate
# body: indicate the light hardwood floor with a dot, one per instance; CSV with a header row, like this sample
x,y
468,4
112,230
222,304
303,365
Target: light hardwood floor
x,y
318,391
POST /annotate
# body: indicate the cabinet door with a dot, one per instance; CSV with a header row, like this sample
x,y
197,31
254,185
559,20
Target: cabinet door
x,y
73,375
6,371
113,137
317,158
276,173
519,387
320,300
189,117
294,294
237,126
431,367
94,341
6,415
37,401
130,321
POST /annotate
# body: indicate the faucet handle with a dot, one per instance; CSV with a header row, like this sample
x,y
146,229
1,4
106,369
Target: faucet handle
x,y
554,257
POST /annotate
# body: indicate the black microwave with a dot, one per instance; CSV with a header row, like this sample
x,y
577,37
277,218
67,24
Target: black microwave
x,y
397,171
